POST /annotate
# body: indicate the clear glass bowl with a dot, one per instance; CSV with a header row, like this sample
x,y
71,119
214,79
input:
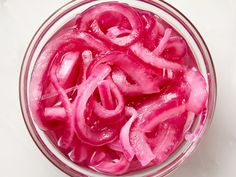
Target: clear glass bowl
x,y
173,17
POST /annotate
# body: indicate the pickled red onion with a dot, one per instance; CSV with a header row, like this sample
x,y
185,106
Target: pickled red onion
x,y
113,167
110,114
93,13
68,133
113,92
125,133
83,131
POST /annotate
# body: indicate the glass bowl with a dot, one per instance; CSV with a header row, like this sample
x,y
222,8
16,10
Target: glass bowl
x,y
169,14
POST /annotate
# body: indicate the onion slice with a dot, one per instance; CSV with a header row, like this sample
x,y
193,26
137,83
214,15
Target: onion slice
x,y
112,114
148,57
198,95
94,12
163,43
68,133
115,167
125,132
116,146
165,143
105,94
81,153
55,113
169,105
84,92
140,146
147,84
115,31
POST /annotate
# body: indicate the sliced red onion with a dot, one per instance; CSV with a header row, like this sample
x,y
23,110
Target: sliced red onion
x,y
114,167
149,58
161,117
163,43
148,83
116,146
67,72
97,157
67,69
125,134
105,94
88,76
127,89
68,133
140,146
80,153
87,59
55,113
167,106
49,96
148,20
153,31
165,143
170,74
112,114
93,42
198,95
85,91
176,48
40,70
94,12
70,39
115,31
189,122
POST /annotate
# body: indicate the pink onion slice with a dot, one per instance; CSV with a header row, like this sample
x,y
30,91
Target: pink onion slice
x,y
114,166
93,42
87,58
169,105
68,133
168,111
165,143
65,42
67,72
126,88
67,69
140,146
105,94
55,113
153,30
148,83
125,134
198,95
81,153
189,122
85,91
176,48
115,31
149,58
97,157
94,12
112,114
163,43
40,70
110,38
116,146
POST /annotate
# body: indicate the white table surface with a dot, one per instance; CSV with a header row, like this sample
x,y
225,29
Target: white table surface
x,y
216,21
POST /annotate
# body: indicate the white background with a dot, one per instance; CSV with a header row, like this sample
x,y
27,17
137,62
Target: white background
x,y
216,21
